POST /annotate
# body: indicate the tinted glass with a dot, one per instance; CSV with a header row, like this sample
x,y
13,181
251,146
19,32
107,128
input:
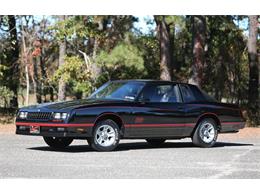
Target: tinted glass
x,y
208,97
197,93
192,93
118,90
187,94
161,93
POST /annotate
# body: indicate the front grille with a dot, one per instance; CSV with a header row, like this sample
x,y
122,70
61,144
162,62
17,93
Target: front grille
x,y
39,115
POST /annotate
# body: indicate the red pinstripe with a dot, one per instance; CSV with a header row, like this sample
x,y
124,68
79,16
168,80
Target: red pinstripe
x,y
161,125
231,123
126,125
54,124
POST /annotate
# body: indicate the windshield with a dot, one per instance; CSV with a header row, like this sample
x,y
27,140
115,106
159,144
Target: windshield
x,y
118,90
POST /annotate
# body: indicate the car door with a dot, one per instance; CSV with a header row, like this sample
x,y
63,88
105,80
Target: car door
x,y
194,104
159,112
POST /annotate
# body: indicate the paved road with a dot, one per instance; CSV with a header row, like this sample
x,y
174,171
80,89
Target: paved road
x,y
29,157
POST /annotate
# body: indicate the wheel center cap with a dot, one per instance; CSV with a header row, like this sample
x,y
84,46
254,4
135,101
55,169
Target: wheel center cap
x,y
104,136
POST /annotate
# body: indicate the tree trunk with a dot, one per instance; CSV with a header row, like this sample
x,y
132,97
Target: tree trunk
x,y
198,44
62,54
14,71
27,85
43,73
25,63
93,47
253,93
163,34
36,80
95,69
259,73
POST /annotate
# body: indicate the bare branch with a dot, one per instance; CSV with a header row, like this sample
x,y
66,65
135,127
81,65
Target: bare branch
x,y
86,58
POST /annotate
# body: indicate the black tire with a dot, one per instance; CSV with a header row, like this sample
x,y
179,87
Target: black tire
x,y
58,142
89,141
156,142
98,141
204,138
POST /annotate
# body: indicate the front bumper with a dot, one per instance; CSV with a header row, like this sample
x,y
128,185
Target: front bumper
x,y
54,130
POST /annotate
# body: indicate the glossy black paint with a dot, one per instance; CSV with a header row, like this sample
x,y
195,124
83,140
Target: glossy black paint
x,y
137,119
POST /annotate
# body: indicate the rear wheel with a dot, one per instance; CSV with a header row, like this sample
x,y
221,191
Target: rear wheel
x,y
156,142
205,134
105,136
58,142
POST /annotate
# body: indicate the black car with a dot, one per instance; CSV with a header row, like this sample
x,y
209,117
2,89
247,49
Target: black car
x,y
132,109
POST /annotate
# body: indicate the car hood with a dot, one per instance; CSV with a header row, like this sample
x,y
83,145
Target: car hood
x,y
75,104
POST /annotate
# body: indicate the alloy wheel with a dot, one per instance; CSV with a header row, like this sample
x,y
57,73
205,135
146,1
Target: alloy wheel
x,y
105,135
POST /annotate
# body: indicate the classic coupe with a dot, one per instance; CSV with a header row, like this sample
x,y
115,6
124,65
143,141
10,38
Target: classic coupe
x,y
132,109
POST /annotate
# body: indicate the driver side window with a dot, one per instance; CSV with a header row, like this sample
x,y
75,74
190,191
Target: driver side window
x,y
161,93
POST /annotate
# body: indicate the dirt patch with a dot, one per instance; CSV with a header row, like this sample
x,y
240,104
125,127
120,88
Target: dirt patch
x,y
8,128
248,132
243,133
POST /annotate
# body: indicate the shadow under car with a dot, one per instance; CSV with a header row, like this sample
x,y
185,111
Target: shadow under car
x,y
136,146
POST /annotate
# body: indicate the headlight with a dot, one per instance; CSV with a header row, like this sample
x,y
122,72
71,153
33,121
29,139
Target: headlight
x,y
60,116
64,115
23,115
57,116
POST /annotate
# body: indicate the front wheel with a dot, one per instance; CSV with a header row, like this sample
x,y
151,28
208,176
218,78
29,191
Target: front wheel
x,y
105,136
58,142
205,134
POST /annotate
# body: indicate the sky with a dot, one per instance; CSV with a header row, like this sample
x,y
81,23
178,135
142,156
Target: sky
x,y
142,24
145,28
146,23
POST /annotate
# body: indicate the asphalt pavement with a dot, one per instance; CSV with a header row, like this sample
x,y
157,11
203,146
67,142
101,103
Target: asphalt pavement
x,y
29,157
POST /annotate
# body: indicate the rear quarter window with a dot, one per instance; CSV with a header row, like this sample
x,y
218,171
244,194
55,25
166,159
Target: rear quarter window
x,y
187,94
197,93
192,93
208,97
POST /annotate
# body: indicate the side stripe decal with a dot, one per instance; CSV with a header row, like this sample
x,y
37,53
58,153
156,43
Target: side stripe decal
x,y
161,125
126,125
232,123
54,124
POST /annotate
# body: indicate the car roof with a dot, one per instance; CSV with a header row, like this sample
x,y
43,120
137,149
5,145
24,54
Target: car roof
x,y
152,81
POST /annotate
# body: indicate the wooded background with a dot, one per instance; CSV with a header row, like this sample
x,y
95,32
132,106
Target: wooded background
x,y
54,58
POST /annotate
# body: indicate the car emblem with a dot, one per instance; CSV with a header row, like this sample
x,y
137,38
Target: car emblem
x,y
34,128
139,120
